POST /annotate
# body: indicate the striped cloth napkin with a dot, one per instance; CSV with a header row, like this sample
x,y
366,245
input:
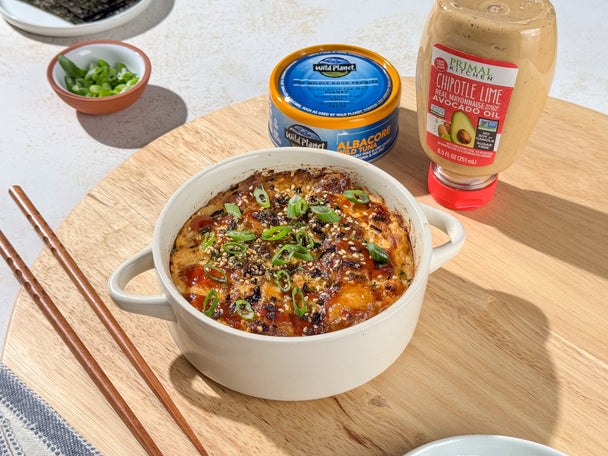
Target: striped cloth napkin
x,y
31,427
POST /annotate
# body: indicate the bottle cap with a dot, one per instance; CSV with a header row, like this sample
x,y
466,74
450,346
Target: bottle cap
x,y
461,200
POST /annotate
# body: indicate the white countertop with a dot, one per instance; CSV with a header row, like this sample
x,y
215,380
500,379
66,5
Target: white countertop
x,y
205,56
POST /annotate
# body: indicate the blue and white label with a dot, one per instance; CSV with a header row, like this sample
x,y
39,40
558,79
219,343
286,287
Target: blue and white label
x,y
335,84
367,143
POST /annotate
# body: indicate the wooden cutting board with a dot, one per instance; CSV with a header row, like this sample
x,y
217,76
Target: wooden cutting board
x,y
512,338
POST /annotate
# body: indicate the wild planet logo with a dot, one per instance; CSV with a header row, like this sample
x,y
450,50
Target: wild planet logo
x,y
334,67
301,136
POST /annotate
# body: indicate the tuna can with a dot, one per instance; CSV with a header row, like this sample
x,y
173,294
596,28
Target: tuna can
x,y
335,97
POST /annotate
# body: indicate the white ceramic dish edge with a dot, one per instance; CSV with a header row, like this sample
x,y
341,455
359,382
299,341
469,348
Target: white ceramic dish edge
x,y
34,20
483,445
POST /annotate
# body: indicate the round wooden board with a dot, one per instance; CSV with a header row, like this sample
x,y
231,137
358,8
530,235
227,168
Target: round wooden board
x,y
512,338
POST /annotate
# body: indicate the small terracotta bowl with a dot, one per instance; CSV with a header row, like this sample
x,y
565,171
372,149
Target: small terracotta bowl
x,y
113,52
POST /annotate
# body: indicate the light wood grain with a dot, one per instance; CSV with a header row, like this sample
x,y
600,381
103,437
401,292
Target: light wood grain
x,y
512,338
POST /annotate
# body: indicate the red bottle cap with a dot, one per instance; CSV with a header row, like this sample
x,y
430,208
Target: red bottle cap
x,y
461,200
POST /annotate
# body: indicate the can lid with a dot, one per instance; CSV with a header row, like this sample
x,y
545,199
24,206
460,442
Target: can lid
x,y
461,200
335,86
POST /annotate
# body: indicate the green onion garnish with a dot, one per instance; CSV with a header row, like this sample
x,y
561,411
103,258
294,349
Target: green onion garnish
x,y
98,80
304,239
325,214
243,308
275,233
301,252
283,280
296,206
211,295
377,254
215,273
285,253
261,196
241,236
298,310
356,196
282,256
208,239
234,248
233,209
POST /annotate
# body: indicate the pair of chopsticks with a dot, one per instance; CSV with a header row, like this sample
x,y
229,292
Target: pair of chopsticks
x,y
69,336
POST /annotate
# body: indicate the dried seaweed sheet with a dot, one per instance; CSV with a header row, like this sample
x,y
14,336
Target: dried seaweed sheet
x,y
88,10
51,6
81,11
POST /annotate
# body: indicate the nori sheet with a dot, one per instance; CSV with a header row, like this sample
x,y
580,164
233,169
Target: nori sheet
x,y
91,9
81,11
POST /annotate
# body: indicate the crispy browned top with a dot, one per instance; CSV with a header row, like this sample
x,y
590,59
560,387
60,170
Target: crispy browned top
x,y
320,276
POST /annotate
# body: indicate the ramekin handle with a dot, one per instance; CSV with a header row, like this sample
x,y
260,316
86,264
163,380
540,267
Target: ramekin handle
x,y
154,306
452,227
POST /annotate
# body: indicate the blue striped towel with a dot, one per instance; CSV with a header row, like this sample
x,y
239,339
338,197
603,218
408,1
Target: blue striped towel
x,y
31,427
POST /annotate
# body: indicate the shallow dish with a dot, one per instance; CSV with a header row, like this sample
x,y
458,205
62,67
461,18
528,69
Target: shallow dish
x,y
484,445
287,368
113,52
35,20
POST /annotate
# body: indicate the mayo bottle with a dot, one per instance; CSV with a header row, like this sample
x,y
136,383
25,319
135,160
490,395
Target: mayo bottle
x,y
483,75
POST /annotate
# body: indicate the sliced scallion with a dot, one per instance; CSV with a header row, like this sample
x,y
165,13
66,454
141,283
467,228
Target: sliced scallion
x,y
357,196
215,273
234,248
208,239
241,236
211,296
282,256
296,206
377,254
301,252
283,280
275,233
285,253
299,310
325,214
261,196
233,209
243,308
304,239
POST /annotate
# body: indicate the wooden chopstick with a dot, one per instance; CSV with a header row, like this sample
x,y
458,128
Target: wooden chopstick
x,y
94,300
77,347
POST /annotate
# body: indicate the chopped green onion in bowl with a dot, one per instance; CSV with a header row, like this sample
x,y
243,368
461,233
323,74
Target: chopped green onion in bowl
x,y
98,80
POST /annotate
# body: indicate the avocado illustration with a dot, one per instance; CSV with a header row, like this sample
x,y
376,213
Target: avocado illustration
x,y
462,130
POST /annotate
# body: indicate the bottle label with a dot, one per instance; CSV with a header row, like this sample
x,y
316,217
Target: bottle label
x,y
468,101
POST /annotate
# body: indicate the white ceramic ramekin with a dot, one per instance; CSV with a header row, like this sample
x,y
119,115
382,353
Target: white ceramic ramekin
x,y
287,368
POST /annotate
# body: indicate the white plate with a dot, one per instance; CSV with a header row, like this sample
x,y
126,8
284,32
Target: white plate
x,y
483,445
32,19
